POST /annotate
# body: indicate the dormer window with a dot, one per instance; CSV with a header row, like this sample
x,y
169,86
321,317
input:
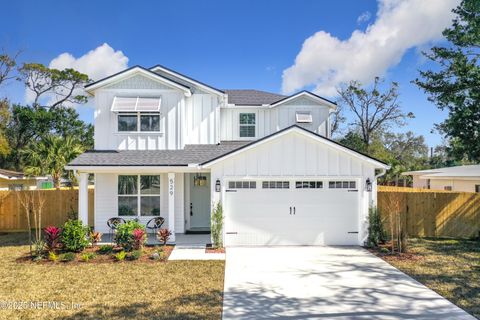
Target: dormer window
x,y
137,114
247,125
304,117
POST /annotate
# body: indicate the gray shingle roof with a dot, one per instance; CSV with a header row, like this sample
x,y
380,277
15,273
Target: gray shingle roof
x,y
252,97
191,154
11,174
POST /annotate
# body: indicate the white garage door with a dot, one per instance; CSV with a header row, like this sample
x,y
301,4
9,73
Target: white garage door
x,y
291,213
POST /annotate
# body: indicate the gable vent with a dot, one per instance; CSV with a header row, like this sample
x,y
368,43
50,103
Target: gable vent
x,y
304,117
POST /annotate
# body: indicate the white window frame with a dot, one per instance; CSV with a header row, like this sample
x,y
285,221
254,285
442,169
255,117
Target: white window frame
x,y
138,115
247,125
275,182
139,195
303,112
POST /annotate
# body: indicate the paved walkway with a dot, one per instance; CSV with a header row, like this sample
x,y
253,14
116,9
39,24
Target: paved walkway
x,y
325,283
192,247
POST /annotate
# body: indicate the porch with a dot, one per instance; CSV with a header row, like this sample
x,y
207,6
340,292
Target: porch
x,y
181,198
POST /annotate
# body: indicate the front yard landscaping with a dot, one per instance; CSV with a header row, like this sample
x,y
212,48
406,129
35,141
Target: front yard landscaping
x,y
88,290
448,266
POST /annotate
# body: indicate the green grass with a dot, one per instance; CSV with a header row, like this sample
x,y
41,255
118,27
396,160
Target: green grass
x,y
448,266
130,289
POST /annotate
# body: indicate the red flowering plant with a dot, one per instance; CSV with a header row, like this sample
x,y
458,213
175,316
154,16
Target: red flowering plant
x,y
52,237
163,235
139,238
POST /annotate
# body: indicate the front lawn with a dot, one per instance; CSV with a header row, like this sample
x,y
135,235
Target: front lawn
x,y
133,289
449,267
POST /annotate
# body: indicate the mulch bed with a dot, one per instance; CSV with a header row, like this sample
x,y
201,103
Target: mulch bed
x,y
147,251
214,250
404,256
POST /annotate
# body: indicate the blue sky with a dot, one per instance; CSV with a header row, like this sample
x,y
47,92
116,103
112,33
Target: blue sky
x,y
228,44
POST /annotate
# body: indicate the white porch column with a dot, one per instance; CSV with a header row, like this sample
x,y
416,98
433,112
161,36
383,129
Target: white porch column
x,y
83,197
171,204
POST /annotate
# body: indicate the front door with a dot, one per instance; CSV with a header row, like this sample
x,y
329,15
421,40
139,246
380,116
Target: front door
x,y
200,201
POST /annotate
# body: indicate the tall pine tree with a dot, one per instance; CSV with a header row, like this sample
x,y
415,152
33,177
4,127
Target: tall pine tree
x,y
456,86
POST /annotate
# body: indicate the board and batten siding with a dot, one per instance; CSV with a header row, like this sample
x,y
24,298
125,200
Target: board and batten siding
x,y
106,201
183,119
295,156
271,120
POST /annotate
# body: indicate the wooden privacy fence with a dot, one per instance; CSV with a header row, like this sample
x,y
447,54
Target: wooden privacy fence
x,y
58,208
432,213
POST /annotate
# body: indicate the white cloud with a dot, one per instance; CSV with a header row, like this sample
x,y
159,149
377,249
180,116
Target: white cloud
x,y
364,17
97,64
326,61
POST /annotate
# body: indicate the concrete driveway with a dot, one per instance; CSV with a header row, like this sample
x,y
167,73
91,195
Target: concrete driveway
x,y
324,283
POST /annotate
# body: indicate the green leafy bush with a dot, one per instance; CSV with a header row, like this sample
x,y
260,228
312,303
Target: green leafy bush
x,y
120,256
135,254
376,232
75,235
105,249
384,250
217,225
67,257
124,236
87,256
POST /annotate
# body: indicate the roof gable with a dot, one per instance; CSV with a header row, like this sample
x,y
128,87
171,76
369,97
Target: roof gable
x,y
302,131
132,72
183,79
306,96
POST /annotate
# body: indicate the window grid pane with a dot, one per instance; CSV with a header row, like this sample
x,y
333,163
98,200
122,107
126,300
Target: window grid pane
x,y
242,185
150,122
150,185
127,206
275,184
149,206
127,184
127,122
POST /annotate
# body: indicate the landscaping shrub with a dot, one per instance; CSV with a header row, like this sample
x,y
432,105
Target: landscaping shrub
x,y
74,236
163,235
94,237
105,249
52,236
124,234
217,225
52,256
38,249
135,254
87,256
139,238
376,232
67,257
120,256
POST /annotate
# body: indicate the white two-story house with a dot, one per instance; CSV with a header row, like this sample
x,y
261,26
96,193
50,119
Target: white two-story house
x,y
171,146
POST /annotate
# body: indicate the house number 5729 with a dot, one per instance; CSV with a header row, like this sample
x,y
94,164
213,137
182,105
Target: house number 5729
x,y
171,185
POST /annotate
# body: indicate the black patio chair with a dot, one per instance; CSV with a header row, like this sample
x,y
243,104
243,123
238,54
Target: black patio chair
x,y
155,224
113,224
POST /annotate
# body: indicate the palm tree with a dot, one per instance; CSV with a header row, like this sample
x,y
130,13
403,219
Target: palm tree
x,y
50,156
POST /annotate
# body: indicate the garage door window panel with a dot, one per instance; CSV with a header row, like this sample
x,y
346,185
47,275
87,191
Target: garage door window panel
x,y
309,184
276,185
342,185
242,185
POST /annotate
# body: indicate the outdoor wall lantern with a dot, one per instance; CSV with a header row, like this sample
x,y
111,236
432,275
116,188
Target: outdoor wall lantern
x,y
217,185
369,185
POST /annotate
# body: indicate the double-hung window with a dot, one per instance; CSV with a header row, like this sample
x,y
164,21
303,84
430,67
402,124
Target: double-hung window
x,y
139,195
247,123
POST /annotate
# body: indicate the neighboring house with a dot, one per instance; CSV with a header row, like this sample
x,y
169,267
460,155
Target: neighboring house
x,y
461,178
12,180
169,145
